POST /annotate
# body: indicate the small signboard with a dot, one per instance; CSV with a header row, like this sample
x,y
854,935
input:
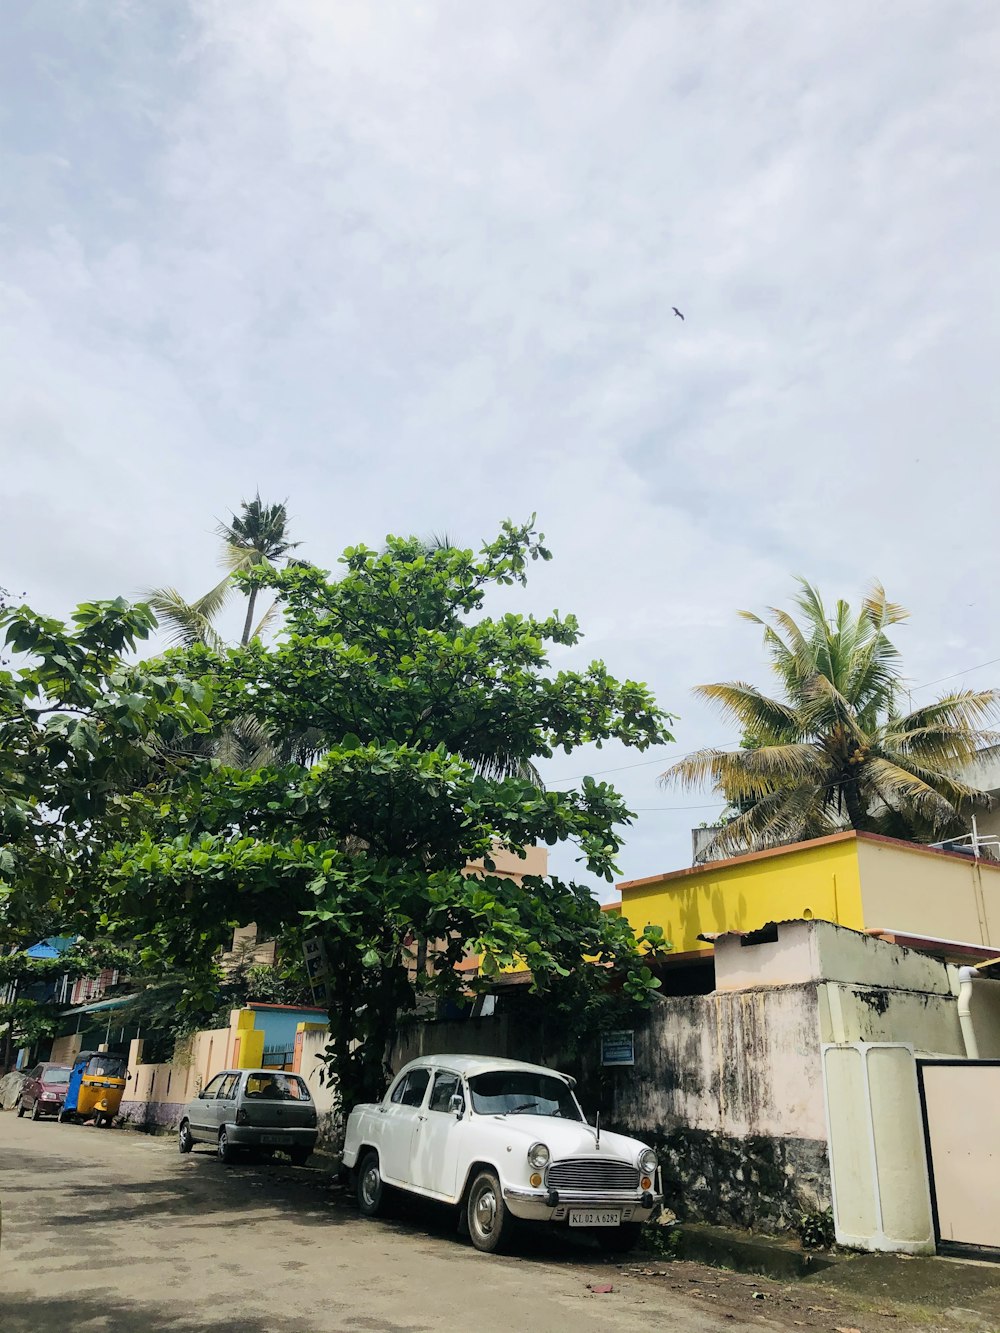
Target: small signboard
x,y
318,969
618,1048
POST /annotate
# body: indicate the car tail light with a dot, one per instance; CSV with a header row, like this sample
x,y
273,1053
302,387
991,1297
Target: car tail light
x,y
241,1116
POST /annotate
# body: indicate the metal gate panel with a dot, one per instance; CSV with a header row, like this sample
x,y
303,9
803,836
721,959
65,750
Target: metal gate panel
x,y
881,1199
960,1100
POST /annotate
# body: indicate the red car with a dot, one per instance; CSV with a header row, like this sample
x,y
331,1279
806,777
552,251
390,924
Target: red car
x,y
44,1090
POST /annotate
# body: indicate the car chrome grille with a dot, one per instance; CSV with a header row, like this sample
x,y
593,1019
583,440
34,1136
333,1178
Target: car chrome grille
x,y
592,1173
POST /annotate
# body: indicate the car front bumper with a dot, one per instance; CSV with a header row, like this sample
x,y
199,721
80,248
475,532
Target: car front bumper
x,y
254,1136
554,1206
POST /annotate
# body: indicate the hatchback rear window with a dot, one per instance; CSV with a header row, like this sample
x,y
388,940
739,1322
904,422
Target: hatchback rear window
x,y
276,1088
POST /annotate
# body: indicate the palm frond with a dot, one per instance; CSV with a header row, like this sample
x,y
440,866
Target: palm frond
x,y
187,624
752,711
266,621
896,785
212,603
747,775
879,611
775,820
964,708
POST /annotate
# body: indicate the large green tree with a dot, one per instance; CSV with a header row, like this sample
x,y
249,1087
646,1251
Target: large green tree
x,y
80,728
414,692
835,748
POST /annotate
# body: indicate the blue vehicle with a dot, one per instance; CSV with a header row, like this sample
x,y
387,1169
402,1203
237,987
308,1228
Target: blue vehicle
x,y
96,1087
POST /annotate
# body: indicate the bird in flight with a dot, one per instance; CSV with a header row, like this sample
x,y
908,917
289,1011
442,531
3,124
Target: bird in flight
x,y
676,312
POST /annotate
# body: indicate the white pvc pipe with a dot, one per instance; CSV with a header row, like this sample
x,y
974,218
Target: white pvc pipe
x,y
966,976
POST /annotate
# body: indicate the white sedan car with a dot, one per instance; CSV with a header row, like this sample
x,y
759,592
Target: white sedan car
x,y
503,1140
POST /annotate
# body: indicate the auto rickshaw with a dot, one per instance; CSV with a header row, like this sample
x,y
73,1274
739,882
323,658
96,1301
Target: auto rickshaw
x,y
96,1087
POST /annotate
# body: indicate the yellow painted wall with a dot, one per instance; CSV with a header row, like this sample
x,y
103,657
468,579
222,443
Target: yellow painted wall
x,y
818,881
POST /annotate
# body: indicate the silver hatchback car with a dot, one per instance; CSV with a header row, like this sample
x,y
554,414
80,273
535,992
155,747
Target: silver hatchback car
x,y
260,1109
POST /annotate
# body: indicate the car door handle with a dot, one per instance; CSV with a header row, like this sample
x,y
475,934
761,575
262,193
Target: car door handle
x,y
421,1117
381,1110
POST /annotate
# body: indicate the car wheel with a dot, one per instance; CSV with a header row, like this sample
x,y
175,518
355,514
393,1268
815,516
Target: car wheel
x,y
65,1116
299,1156
184,1140
20,1108
619,1240
225,1149
36,1110
372,1190
488,1218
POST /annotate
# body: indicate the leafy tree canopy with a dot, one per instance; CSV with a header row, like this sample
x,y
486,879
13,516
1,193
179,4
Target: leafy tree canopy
x,y
79,728
835,749
428,715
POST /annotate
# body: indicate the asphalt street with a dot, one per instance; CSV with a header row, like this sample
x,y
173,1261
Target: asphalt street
x,y
105,1230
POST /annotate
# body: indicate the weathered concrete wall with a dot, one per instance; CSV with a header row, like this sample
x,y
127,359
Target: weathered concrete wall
x,y
310,1046
473,1036
739,1064
729,1088
985,1008
926,1021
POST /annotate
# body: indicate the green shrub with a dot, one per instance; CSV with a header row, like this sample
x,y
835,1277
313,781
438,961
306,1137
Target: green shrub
x,y
816,1230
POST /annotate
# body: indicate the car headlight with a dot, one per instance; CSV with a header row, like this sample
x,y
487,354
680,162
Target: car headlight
x,y
647,1161
538,1156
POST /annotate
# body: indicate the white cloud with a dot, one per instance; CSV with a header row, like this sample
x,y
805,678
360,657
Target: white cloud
x,y
412,265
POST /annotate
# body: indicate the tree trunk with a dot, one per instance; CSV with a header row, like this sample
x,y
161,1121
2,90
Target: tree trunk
x,y
248,623
852,799
8,1043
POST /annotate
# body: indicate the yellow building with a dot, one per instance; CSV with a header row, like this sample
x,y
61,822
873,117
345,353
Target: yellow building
x,y
900,890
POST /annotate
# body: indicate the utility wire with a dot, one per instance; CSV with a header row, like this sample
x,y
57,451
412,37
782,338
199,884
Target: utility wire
x,y
672,759
927,683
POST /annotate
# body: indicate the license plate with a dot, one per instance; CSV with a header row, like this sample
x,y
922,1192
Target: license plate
x,y
272,1138
595,1217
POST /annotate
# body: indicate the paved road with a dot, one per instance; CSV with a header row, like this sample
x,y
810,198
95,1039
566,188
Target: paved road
x,y
115,1232
106,1230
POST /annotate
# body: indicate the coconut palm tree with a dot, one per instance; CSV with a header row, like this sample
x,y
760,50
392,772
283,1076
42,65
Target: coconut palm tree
x,y
258,535
835,750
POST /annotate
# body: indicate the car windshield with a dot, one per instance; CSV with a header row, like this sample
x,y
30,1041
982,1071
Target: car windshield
x,y
57,1074
106,1066
277,1088
516,1091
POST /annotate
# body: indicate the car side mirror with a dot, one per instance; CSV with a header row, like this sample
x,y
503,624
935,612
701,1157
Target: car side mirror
x,y
457,1105
128,1078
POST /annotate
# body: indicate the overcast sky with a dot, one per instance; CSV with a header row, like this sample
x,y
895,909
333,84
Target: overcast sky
x,y
412,266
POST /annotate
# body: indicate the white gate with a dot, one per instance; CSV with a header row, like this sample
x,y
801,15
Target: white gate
x,y
878,1169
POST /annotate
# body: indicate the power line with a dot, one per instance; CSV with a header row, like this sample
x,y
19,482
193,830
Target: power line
x,y
648,809
642,763
670,759
927,683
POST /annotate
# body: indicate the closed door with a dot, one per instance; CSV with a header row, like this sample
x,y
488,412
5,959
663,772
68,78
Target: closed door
x,y
204,1122
225,1102
961,1105
436,1141
399,1118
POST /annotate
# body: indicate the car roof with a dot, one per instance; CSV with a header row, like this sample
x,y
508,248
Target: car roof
x,y
469,1065
256,1072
